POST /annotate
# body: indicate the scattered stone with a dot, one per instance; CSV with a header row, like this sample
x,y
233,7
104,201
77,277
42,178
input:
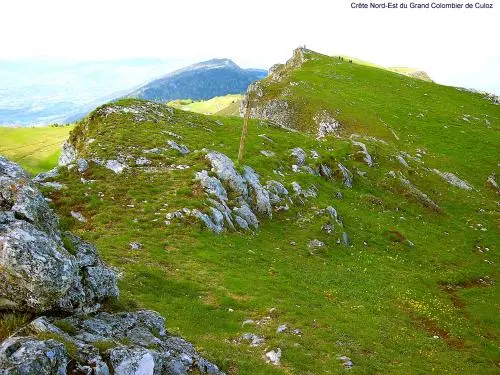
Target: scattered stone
x,y
142,161
253,339
300,155
268,154
135,245
274,357
453,180
315,244
180,148
419,195
53,185
325,171
266,138
326,123
172,134
282,328
53,173
314,154
346,361
402,160
297,332
78,216
82,165
114,166
345,239
492,181
248,321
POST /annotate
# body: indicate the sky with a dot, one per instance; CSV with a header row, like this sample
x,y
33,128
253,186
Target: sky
x,y
455,46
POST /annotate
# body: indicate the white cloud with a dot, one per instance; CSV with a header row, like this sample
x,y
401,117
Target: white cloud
x,y
455,46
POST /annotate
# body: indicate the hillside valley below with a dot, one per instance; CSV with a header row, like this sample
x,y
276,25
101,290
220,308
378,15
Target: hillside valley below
x,y
357,232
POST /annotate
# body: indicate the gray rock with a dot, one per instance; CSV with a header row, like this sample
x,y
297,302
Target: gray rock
x,y
139,344
115,166
276,191
68,154
267,153
366,156
345,239
347,175
419,195
135,245
207,221
260,196
453,180
54,172
402,160
492,181
242,223
315,244
37,272
211,185
223,167
325,171
182,149
333,212
253,339
82,165
246,214
326,123
53,185
282,328
274,356
78,216
29,356
140,161
300,155
346,361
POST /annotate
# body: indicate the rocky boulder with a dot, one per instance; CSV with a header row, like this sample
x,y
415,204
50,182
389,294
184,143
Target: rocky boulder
x,y
120,344
42,269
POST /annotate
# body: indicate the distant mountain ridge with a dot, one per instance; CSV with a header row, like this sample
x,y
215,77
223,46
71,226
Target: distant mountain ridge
x,y
200,81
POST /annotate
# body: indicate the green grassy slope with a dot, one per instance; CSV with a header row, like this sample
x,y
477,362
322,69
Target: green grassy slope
x,y
37,149
408,113
414,293
222,105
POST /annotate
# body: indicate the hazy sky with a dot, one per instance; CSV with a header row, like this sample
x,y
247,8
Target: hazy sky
x,y
456,47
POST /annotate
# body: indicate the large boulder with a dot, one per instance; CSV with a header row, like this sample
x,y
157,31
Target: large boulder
x,y
42,269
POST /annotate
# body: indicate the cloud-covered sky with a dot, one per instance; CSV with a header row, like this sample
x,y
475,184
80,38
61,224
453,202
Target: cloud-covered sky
x,y
456,47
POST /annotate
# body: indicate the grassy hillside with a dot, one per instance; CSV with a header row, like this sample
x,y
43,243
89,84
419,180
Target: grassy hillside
x,y
227,105
37,149
414,292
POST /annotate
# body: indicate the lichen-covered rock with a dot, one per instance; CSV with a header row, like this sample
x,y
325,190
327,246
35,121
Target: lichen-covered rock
x,y
68,154
259,195
223,167
182,149
82,165
138,344
327,124
347,175
211,185
453,180
246,214
115,166
29,356
364,151
300,155
38,271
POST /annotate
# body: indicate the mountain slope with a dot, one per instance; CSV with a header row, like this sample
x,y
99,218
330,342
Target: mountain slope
x,y
205,80
380,256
